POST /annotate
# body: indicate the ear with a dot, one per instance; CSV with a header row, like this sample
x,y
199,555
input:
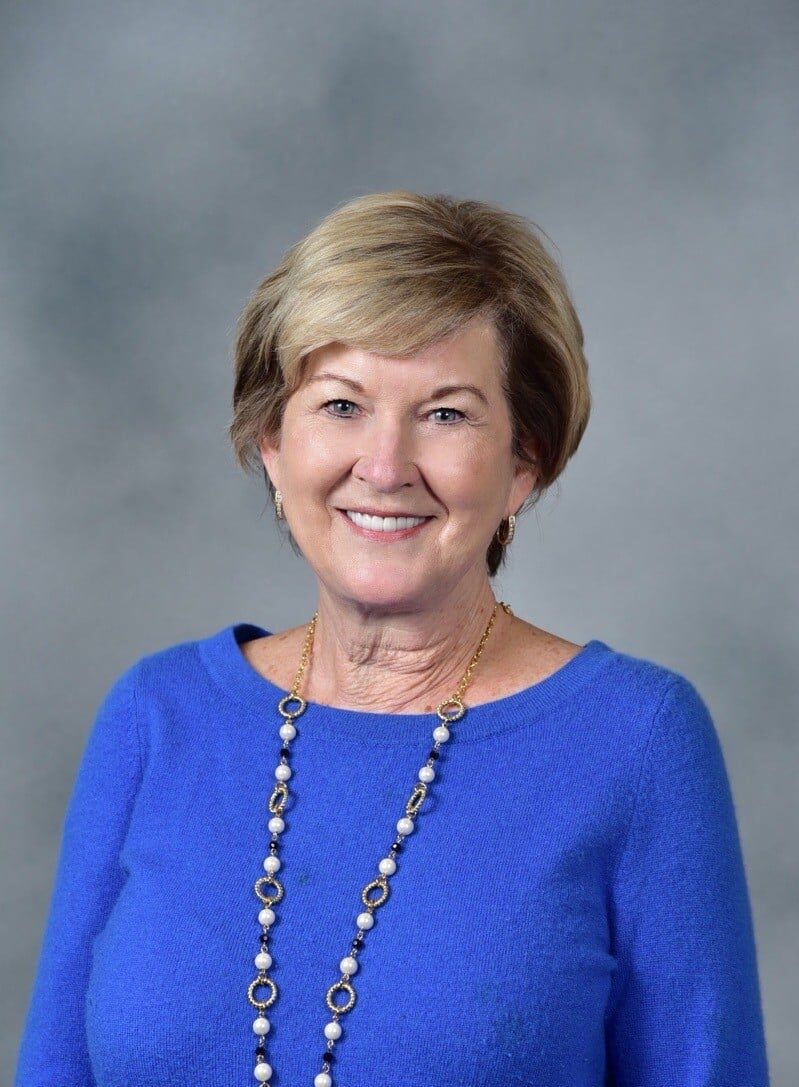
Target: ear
x,y
524,480
269,448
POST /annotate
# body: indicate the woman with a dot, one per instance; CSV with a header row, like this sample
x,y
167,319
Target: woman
x,y
507,857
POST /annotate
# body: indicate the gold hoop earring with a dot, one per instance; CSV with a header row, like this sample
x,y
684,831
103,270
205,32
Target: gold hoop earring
x,y
279,505
510,532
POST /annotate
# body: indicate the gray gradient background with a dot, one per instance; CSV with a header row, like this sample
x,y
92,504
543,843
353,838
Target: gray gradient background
x,y
157,159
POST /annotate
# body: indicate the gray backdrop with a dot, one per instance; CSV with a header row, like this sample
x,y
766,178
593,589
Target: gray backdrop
x,y
156,161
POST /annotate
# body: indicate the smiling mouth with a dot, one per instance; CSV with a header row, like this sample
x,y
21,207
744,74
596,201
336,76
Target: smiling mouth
x,y
382,533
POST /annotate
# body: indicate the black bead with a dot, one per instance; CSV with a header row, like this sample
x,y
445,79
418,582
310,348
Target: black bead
x,y
328,1056
260,1051
433,755
284,751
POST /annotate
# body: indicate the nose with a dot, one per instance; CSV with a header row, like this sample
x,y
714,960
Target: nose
x,y
388,463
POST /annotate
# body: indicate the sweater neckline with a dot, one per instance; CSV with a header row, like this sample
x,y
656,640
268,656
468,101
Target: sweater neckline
x,y
232,672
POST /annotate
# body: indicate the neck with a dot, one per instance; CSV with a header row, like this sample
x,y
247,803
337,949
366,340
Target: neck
x,y
391,661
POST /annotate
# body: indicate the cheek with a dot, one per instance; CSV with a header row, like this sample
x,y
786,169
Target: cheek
x,y
469,479
313,454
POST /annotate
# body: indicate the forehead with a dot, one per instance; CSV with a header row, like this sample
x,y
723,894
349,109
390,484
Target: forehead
x,y
470,355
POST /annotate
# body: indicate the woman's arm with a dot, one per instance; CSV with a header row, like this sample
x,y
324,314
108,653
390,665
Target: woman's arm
x,y
684,1008
88,879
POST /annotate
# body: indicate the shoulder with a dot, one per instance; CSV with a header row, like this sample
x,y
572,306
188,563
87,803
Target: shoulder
x,y
165,690
644,681
634,702
667,724
617,698
668,758
653,684
172,668
626,679
170,659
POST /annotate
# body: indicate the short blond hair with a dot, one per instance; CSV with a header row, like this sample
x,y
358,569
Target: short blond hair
x,y
394,272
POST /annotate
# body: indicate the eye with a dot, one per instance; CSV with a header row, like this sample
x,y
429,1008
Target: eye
x,y
339,400
457,412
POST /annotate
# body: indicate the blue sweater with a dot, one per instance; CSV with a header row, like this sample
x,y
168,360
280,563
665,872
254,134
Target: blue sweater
x,y
571,909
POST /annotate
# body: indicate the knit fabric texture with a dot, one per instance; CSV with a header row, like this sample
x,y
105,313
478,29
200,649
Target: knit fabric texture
x,y
570,910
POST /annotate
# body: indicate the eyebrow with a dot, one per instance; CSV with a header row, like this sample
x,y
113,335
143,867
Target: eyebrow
x,y
443,390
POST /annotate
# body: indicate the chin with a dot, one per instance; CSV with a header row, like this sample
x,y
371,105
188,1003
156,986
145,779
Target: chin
x,y
387,593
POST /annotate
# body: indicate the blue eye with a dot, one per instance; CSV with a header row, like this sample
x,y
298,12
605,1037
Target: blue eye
x,y
340,400
456,410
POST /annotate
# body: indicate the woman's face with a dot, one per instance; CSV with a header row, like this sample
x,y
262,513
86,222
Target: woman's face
x,y
394,443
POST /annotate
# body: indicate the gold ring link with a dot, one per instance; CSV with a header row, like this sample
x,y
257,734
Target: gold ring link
x,y
456,716
291,714
271,881
343,1008
261,1005
416,798
279,798
380,883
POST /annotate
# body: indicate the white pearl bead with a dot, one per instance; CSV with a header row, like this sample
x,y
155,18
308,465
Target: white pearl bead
x,y
261,1025
287,731
426,774
349,965
405,825
364,920
387,866
441,734
262,1071
276,824
332,1029
272,864
266,916
322,1080
263,960
282,772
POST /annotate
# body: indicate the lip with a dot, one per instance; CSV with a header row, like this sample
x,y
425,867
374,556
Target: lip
x,y
375,513
385,537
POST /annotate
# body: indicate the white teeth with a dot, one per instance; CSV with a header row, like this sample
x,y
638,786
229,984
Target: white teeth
x,y
383,524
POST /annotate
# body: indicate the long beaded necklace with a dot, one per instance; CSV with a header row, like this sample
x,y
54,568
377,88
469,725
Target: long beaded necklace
x,y
387,866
